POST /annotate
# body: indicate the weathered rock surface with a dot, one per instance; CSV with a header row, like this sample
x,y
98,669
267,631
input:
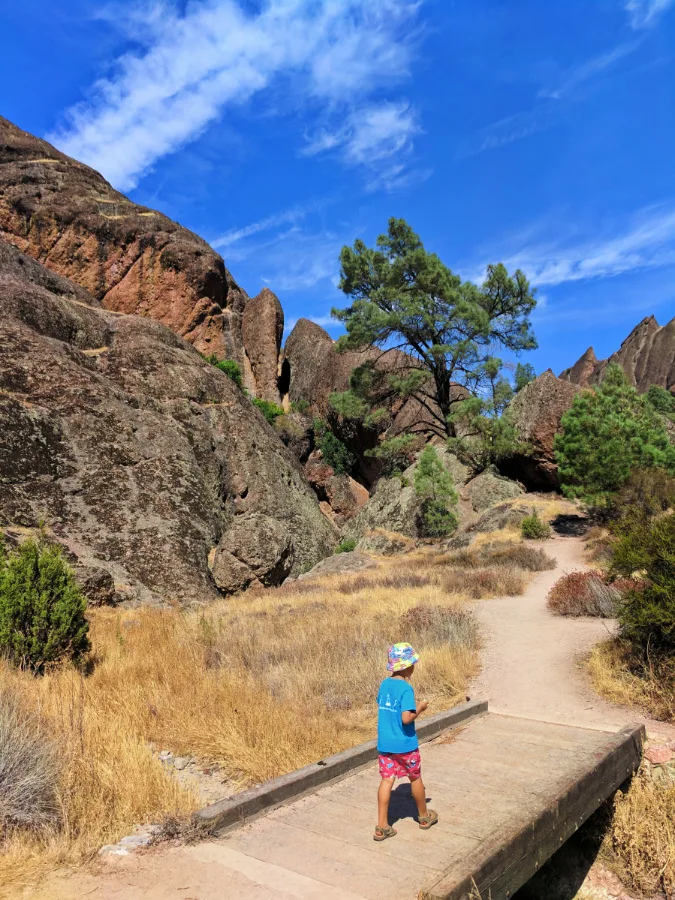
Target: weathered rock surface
x,y
262,330
143,460
489,488
340,495
537,410
647,356
129,258
384,543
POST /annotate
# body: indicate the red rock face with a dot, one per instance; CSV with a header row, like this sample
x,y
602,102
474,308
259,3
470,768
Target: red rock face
x,y
130,258
647,356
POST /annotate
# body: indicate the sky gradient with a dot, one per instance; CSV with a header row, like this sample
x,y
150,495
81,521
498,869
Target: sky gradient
x,y
537,134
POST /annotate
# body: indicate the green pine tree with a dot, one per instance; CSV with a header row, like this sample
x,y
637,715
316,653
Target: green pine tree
x,y
42,610
404,298
434,485
607,433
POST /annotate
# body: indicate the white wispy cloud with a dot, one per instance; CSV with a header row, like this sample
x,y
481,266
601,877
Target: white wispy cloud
x,y
235,235
647,241
192,67
506,131
645,13
377,138
575,77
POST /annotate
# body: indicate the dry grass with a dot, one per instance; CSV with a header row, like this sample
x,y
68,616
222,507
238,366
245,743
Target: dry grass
x,y
481,583
505,553
262,684
622,678
641,839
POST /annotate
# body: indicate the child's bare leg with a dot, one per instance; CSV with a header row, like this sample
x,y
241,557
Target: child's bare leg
x,y
383,797
419,795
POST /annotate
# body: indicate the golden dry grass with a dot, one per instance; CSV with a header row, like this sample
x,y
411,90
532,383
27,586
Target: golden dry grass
x,y
640,842
262,683
621,678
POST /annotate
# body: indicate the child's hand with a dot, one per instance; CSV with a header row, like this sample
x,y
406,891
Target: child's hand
x,y
422,707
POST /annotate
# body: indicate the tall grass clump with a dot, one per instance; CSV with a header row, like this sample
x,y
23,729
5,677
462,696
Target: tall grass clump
x,y
588,594
29,770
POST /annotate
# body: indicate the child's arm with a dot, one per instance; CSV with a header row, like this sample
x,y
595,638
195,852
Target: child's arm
x,y
411,714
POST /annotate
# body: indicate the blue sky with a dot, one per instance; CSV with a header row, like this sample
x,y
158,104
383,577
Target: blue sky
x,y
537,133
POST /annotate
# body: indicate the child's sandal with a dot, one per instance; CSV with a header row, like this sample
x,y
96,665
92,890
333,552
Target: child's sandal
x,y
427,821
381,834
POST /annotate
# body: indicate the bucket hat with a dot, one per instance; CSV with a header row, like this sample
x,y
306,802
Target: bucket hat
x,y
401,656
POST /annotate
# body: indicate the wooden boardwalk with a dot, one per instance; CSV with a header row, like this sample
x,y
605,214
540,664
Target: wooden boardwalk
x,y
509,792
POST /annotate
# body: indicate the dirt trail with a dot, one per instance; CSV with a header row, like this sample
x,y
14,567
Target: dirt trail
x,y
532,660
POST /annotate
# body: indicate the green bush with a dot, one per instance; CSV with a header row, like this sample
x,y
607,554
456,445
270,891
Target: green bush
x,y
300,406
661,400
647,493
346,545
270,410
231,369
607,433
647,615
435,519
336,454
533,529
42,609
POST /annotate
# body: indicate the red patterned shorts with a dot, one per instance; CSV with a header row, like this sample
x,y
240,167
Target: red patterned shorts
x,y
401,765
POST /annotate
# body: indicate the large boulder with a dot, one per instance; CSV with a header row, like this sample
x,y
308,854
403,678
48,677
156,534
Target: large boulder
x,y
129,258
395,506
340,496
536,411
490,488
647,356
142,459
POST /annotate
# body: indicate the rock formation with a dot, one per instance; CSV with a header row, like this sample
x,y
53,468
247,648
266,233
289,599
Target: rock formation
x,y
647,356
130,258
262,331
147,463
537,410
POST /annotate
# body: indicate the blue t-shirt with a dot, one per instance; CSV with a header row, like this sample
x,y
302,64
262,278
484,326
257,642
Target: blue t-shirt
x,y
395,696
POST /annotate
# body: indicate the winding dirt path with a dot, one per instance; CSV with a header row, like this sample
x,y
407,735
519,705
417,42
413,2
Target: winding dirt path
x,y
533,660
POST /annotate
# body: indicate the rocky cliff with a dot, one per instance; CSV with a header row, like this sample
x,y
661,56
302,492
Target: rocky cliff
x,y
147,463
647,356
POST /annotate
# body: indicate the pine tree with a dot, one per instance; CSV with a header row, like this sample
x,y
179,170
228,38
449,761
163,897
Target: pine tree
x,y
434,485
606,434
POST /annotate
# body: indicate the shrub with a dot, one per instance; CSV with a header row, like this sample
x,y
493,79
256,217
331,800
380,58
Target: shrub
x,y
395,453
533,529
606,434
270,410
29,770
42,609
647,493
588,594
501,553
435,519
346,545
336,454
647,614
231,369
300,406
481,583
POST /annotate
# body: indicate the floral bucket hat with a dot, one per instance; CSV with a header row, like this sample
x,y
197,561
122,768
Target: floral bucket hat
x,y
401,656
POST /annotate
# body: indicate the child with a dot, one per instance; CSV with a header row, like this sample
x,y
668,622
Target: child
x,y
397,742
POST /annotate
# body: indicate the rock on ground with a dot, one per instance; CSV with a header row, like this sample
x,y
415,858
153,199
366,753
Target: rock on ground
x,y
340,564
144,461
488,489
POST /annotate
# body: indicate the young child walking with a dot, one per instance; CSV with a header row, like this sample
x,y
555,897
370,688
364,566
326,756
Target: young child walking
x,y
397,742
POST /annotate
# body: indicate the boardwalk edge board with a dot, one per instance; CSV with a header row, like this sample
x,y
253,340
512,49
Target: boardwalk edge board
x,y
516,853
233,811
